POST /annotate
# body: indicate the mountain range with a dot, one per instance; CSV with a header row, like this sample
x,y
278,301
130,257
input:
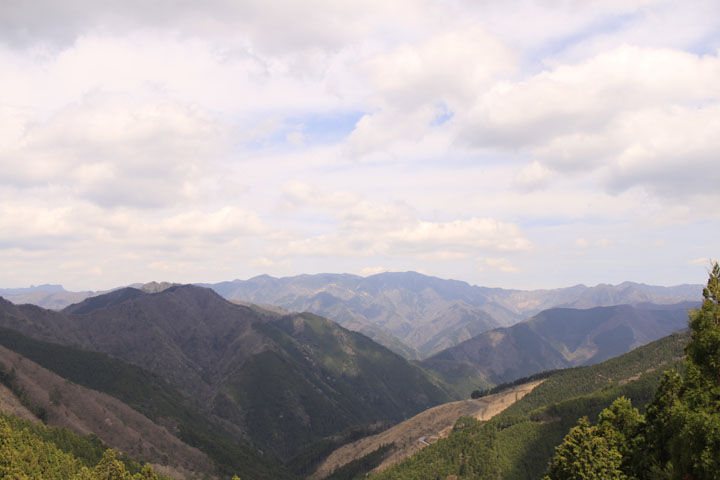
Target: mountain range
x,y
418,315
266,392
414,315
283,380
555,339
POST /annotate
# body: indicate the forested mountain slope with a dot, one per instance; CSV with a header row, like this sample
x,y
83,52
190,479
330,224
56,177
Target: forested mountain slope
x,y
56,401
284,380
137,389
30,451
518,443
557,338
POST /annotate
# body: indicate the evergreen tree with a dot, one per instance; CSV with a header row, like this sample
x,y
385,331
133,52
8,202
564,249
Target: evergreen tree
x,y
695,449
586,454
147,473
110,468
621,425
659,430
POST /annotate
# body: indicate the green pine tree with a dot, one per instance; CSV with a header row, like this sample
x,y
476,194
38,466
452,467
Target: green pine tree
x,y
110,468
586,454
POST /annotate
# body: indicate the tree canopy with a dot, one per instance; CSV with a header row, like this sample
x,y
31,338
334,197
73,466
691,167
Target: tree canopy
x,y
679,436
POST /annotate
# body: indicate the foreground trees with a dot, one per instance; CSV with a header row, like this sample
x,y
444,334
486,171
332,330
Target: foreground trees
x,y
25,455
679,436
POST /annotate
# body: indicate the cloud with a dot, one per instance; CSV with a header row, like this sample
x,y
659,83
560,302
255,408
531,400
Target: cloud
x,y
420,86
586,96
501,264
642,116
71,228
672,152
116,151
669,151
450,67
368,271
534,175
226,139
420,239
29,228
366,228
461,235
222,225
271,26
707,262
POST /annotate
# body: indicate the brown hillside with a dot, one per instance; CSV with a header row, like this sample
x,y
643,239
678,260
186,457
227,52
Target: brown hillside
x,y
423,429
86,411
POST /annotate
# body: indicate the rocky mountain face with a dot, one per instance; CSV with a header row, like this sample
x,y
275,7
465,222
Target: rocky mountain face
x,y
558,338
285,380
418,315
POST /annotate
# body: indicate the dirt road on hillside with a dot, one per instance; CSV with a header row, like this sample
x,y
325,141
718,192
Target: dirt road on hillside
x,y
423,429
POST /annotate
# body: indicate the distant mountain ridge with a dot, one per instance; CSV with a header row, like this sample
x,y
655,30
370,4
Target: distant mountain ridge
x,y
33,288
558,338
419,315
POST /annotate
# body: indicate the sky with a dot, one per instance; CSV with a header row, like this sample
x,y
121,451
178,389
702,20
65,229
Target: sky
x,y
519,144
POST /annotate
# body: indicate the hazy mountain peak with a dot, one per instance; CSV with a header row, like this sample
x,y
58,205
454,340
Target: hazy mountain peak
x,y
33,288
262,277
105,300
155,287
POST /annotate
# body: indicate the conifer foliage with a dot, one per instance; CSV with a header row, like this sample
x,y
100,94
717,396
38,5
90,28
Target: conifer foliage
x,y
25,455
679,436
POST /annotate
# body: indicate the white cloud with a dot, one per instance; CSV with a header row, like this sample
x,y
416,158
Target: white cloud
x,y
368,271
420,239
702,261
420,85
584,97
116,151
271,25
534,175
501,264
646,117
450,67
27,227
463,235
225,139
225,224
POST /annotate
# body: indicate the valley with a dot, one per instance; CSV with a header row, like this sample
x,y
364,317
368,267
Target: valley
x,y
426,428
195,384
